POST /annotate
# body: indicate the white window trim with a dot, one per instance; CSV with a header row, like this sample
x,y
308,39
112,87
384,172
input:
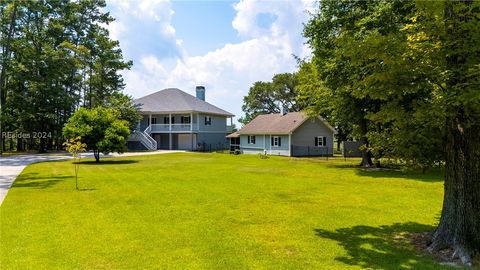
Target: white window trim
x,y
276,139
320,141
249,139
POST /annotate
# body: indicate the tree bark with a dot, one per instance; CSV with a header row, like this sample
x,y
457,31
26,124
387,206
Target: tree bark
x,y
20,144
366,155
459,227
96,154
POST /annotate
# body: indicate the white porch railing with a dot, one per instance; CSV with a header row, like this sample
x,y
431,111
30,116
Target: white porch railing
x,y
148,139
148,130
172,127
145,139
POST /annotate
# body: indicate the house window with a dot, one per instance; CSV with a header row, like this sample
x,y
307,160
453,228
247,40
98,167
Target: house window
x,y
276,141
208,120
154,121
166,120
251,139
320,141
185,119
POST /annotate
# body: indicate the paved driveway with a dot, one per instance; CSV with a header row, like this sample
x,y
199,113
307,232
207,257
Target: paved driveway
x,y
12,166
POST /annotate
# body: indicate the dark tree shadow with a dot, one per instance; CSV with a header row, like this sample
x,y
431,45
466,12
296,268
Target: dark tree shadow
x,y
30,180
87,189
432,175
108,162
383,247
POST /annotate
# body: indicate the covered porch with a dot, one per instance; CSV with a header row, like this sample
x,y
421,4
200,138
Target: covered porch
x,y
176,141
234,139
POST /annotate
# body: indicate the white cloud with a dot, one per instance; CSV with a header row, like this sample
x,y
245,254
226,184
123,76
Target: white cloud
x,y
144,27
227,72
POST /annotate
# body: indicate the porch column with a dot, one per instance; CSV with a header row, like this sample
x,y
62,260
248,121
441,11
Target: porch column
x,y
290,144
198,121
191,122
170,124
191,141
149,119
170,141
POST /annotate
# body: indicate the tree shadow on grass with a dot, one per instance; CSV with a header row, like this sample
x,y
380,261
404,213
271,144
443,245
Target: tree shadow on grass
x,y
108,162
432,175
383,247
87,189
31,180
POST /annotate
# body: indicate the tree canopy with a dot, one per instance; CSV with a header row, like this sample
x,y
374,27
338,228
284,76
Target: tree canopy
x,y
406,75
269,97
56,56
101,129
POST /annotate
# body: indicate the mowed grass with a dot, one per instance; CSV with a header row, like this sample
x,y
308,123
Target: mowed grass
x,y
216,211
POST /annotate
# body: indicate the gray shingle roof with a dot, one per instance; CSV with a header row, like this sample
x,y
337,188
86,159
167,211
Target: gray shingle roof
x,y
176,100
277,123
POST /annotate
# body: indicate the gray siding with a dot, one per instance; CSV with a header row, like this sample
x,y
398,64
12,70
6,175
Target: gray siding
x,y
303,138
259,142
219,123
212,137
144,123
212,141
262,144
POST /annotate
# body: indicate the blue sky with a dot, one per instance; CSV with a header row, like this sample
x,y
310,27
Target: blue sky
x,y
223,45
204,25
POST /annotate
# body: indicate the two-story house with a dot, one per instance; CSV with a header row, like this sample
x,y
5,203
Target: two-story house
x,y
173,119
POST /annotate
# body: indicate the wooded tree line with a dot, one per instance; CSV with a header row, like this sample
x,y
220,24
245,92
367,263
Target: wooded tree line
x,y
56,56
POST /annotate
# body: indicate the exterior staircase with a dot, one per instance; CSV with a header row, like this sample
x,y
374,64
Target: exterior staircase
x,y
144,138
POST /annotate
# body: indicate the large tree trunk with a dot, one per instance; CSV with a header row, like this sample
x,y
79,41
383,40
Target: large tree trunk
x,y
366,155
20,144
96,154
459,226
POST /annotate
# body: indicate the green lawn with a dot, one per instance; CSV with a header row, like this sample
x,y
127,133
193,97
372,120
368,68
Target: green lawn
x,y
216,211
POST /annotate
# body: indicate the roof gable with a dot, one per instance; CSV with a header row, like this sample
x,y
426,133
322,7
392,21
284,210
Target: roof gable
x,y
176,100
277,123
